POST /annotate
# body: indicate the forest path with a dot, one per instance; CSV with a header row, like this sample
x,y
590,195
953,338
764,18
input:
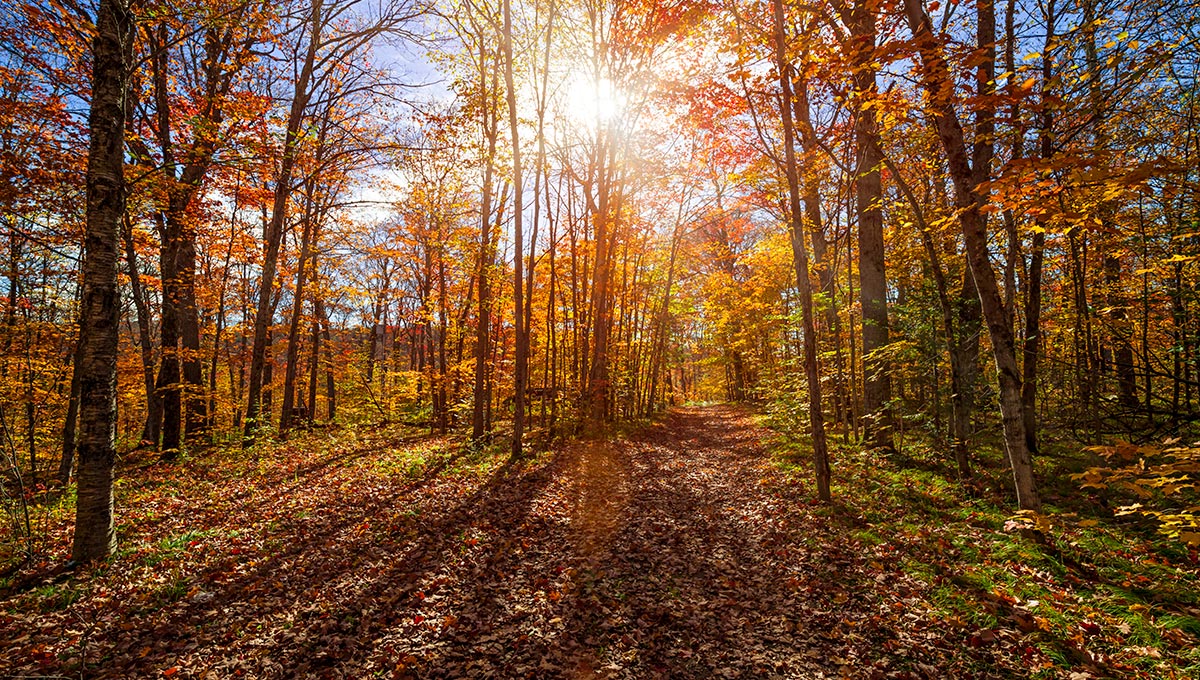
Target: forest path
x,y
678,551
681,578
662,554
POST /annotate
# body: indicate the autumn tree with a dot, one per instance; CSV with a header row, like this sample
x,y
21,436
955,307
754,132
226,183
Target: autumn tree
x,y
966,173
800,255
329,35
112,54
188,122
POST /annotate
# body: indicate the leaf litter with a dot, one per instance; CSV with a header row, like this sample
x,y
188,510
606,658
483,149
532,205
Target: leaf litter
x,y
679,551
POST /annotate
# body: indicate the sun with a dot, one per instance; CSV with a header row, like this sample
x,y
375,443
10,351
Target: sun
x,y
590,102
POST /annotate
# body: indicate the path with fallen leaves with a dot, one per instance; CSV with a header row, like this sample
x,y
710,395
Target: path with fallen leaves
x,y
652,556
678,552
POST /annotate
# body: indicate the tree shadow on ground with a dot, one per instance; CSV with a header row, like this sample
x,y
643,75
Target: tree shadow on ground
x,y
679,552
320,598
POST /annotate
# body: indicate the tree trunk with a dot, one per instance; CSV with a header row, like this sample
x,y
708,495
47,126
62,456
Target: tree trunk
x,y
521,369
964,365
936,79
800,260
195,403
167,383
274,231
70,422
872,277
112,47
330,384
152,427
958,347
489,123
292,351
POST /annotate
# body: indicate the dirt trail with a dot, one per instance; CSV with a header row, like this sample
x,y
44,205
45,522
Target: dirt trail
x,y
655,556
600,477
687,585
677,552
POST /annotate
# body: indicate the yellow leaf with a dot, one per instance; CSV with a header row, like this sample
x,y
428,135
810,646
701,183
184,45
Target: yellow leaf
x,y
1128,509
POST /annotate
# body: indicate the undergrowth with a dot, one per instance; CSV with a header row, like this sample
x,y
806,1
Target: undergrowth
x,y
1091,594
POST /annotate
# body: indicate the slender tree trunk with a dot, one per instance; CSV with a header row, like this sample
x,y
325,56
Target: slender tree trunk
x,y
167,383
443,377
872,277
1014,263
956,346
274,231
964,354
489,123
601,315
314,366
662,319
196,423
330,382
825,266
151,428
70,422
292,352
1033,284
521,351
169,222
268,378
218,332
112,47
935,76
800,258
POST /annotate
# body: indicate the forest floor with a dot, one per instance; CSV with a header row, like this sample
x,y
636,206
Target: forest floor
x,y
689,548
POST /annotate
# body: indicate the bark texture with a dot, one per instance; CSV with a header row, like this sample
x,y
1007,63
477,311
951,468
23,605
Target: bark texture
x,y
938,84
95,535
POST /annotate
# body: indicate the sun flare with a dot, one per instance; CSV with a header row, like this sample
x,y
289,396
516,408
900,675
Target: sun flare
x,y
590,101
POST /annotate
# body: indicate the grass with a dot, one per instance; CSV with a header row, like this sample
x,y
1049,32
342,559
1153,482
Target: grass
x,y
56,596
172,546
210,501
1101,594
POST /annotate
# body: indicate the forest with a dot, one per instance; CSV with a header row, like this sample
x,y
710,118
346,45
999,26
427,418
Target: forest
x,y
600,338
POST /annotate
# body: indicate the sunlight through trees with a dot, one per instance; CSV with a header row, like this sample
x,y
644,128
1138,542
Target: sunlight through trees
x,y
968,226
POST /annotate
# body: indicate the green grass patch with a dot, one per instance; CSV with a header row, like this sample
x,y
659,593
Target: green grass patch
x,y
56,596
1102,594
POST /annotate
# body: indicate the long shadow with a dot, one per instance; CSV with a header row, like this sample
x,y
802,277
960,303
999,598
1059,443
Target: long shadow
x,y
281,480
688,587
317,605
268,488
507,611
208,468
385,609
711,577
